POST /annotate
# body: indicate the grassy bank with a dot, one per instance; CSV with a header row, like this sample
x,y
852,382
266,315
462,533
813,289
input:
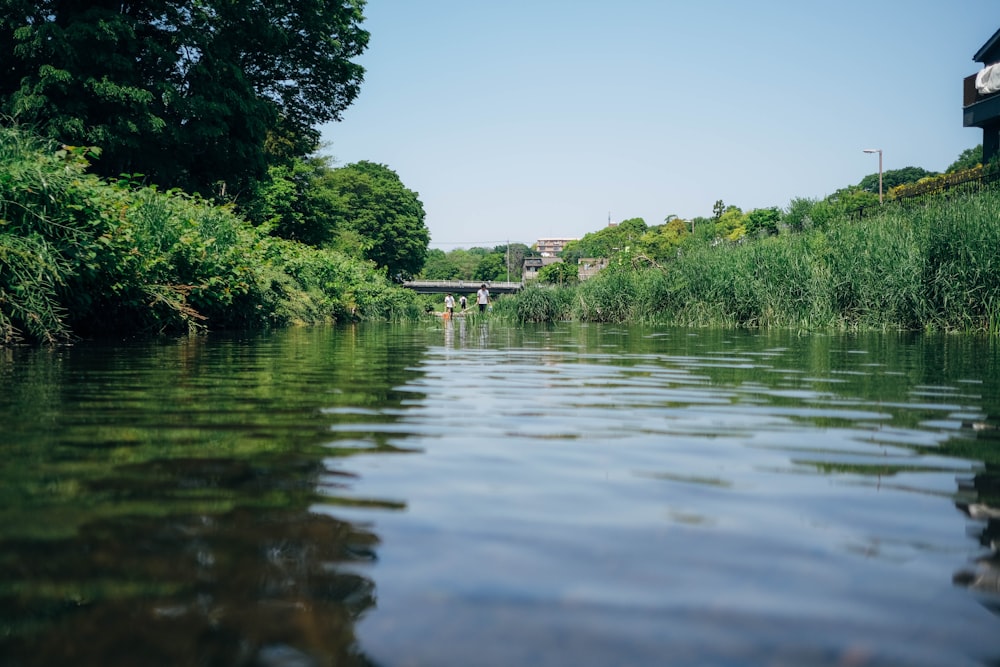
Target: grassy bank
x,y
81,256
935,266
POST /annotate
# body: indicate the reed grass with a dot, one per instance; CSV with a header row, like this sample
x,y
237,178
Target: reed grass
x,y
932,266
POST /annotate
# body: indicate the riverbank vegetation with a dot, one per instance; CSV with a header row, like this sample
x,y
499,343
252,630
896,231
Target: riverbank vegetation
x,y
84,256
167,177
160,171
930,265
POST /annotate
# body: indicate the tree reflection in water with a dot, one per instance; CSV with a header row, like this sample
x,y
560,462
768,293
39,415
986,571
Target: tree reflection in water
x,y
257,586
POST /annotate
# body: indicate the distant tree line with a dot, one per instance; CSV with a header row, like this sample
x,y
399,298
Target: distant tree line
x,y
731,224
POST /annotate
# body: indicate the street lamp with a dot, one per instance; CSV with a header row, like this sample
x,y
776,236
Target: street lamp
x,y
879,151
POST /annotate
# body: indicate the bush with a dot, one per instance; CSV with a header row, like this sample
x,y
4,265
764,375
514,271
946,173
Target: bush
x,y
80,255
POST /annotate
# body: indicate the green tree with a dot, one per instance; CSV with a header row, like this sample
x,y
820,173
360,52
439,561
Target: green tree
x,y
559,273
661,242
513,256
387,217
296,201
731,224
572,252
607,241
491,267
894,177
718,208
187,92
437,266
968,159
798,213
465,261
763,220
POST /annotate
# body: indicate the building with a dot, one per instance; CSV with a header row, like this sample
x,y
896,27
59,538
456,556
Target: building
x,y
532,265
980,99
588,267
551,247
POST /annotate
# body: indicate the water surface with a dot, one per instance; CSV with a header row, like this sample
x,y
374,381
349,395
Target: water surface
x,y
452,494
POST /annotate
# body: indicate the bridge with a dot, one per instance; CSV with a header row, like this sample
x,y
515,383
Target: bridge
x,y
461,286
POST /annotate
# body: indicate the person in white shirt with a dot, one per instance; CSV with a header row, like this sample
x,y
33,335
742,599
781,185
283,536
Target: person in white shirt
x,y
449,304
483,297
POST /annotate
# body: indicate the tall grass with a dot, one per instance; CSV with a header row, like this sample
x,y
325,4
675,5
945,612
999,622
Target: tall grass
x,y
961,276
876,267
933,266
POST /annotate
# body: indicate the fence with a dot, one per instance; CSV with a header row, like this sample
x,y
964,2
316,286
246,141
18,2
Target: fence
x,y
959,183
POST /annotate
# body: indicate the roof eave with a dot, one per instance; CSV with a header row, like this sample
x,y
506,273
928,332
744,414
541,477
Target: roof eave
x,y
985,49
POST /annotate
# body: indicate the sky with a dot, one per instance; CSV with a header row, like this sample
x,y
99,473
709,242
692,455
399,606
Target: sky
x,y
516,120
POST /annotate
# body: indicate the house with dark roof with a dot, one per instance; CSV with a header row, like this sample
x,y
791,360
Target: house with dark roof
x,y
532,265
980,99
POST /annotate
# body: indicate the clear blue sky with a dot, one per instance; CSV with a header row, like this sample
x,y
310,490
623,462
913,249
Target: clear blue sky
x,y
523,119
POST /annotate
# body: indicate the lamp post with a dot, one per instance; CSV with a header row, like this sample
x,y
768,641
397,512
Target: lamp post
x,y
879,151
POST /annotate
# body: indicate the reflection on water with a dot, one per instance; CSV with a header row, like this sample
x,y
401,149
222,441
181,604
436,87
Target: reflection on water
x,y
462,493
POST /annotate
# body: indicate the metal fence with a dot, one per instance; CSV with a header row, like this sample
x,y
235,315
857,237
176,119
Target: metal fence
x,y
943,187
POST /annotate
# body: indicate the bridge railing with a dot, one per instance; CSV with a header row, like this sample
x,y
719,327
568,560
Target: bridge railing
x,y
469,286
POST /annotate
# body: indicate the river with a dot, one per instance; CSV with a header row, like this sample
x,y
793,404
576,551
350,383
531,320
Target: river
x,y
452,493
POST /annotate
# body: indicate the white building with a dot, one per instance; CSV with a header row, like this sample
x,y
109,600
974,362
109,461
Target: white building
x,y
551,247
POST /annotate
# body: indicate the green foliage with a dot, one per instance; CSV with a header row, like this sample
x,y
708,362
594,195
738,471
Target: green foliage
x,y
491,267
438,266
81,255
967,159
607,241
662,241
893,178
296,201
514,256
559,273
763,221
188,93
961,276
798,215
954,182
372,202
843,202
539,304
731,225
876,268
611,295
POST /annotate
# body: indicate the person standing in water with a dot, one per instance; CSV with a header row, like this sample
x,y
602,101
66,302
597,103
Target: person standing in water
x,y
463,303
449,305
483,297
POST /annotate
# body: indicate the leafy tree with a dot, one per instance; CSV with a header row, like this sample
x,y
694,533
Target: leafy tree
x,y
437,266
894,177
372,202
607,241
968,159
513,256
662,241
296,201
798,214
491,267
187,92
731,224
572,252
559,273
763,220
